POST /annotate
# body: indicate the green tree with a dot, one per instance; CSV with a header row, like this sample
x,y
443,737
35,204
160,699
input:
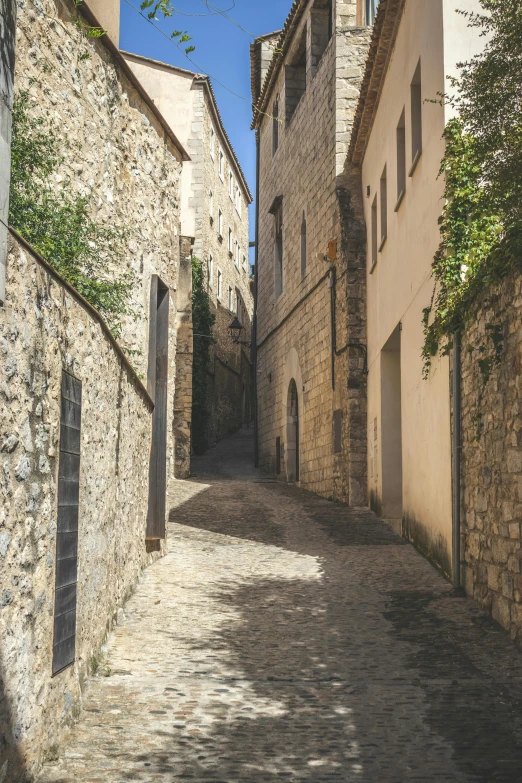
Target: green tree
x,y
481,225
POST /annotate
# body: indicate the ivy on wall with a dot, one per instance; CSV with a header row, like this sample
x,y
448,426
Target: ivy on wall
x,y
203,322
481,224
58,222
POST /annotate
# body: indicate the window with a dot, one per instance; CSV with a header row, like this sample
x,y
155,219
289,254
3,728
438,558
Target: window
x,y
303,247
231,186
277,211
230,240
416,118
321,20
230,299
219,285
374,233
67,528
384,207
210,271
337,431
212,144
238,200
275,126
295,79
371,11
220,224
211,204
236,253
221,165
401,160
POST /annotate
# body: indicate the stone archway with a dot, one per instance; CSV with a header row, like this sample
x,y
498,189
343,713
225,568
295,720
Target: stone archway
x,y
292,433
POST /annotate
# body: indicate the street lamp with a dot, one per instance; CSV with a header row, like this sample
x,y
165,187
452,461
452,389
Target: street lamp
x,y
235,331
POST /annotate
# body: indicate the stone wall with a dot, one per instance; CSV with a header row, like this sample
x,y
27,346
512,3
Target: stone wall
x,y
295,330
45,328
122,156
229,373
492,467
120,151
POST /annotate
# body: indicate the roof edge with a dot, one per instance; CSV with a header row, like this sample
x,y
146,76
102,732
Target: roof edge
x,y
206,82
382,45
113,49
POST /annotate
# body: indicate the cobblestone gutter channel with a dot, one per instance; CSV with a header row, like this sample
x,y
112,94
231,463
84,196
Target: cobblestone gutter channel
x,y
287,638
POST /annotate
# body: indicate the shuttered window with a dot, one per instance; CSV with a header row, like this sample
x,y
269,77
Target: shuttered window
x,y
67,531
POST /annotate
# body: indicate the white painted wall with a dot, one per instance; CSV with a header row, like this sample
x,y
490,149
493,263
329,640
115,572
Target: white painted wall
x,y
400,286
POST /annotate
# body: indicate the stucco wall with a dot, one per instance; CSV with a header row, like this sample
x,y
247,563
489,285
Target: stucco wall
x,y
492,465
400,285
295,328
44,329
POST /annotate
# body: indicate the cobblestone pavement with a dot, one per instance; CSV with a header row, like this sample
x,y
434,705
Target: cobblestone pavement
x,y
288,638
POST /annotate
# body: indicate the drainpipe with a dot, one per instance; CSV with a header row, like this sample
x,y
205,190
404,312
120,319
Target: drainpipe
x,y
457,447
254,326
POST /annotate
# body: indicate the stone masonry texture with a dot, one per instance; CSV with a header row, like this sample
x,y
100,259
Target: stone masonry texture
x,y
492,463
118,152
295,330
285,637
229,371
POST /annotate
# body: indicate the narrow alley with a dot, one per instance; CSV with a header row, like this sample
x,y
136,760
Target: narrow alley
x,y
288,638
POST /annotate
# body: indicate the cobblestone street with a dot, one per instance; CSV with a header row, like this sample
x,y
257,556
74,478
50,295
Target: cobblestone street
x,y
287,638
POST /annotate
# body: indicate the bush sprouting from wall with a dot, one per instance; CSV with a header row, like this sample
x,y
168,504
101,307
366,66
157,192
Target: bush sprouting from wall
x,y
58,222
203,321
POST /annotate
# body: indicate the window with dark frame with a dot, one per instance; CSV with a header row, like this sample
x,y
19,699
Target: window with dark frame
x,y
416,118
278,215
275,126
303,247
401,160
374,248
384,207
64,642
338,431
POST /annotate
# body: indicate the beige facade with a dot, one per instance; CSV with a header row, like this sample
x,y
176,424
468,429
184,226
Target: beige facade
x,y
310,326
398,146
214,210
128,160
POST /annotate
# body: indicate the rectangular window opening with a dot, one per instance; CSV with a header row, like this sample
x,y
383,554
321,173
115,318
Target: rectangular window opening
x,y
219,285
321,20
401,160
338,431
275,126
295,79
210,271
384,207
374,235
416,118
278,216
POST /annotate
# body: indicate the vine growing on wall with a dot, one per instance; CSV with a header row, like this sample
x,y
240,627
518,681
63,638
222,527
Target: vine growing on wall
x,y
58,222
203,322
481,224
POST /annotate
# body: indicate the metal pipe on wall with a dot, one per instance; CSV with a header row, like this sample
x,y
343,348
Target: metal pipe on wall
x,y
457,447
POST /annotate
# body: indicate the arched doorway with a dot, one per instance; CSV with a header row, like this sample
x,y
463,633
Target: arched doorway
x,y
292,434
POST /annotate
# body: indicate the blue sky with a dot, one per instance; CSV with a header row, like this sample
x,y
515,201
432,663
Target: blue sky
x,y
222,52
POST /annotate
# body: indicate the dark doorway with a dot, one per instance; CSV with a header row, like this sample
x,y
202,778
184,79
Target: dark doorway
x,y
157,382
292,433
391,427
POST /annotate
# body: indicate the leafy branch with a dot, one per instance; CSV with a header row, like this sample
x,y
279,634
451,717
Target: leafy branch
x,y
166,8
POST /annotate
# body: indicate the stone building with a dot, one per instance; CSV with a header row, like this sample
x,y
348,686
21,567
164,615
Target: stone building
x,y
310,313
86,443
214,210
396,149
